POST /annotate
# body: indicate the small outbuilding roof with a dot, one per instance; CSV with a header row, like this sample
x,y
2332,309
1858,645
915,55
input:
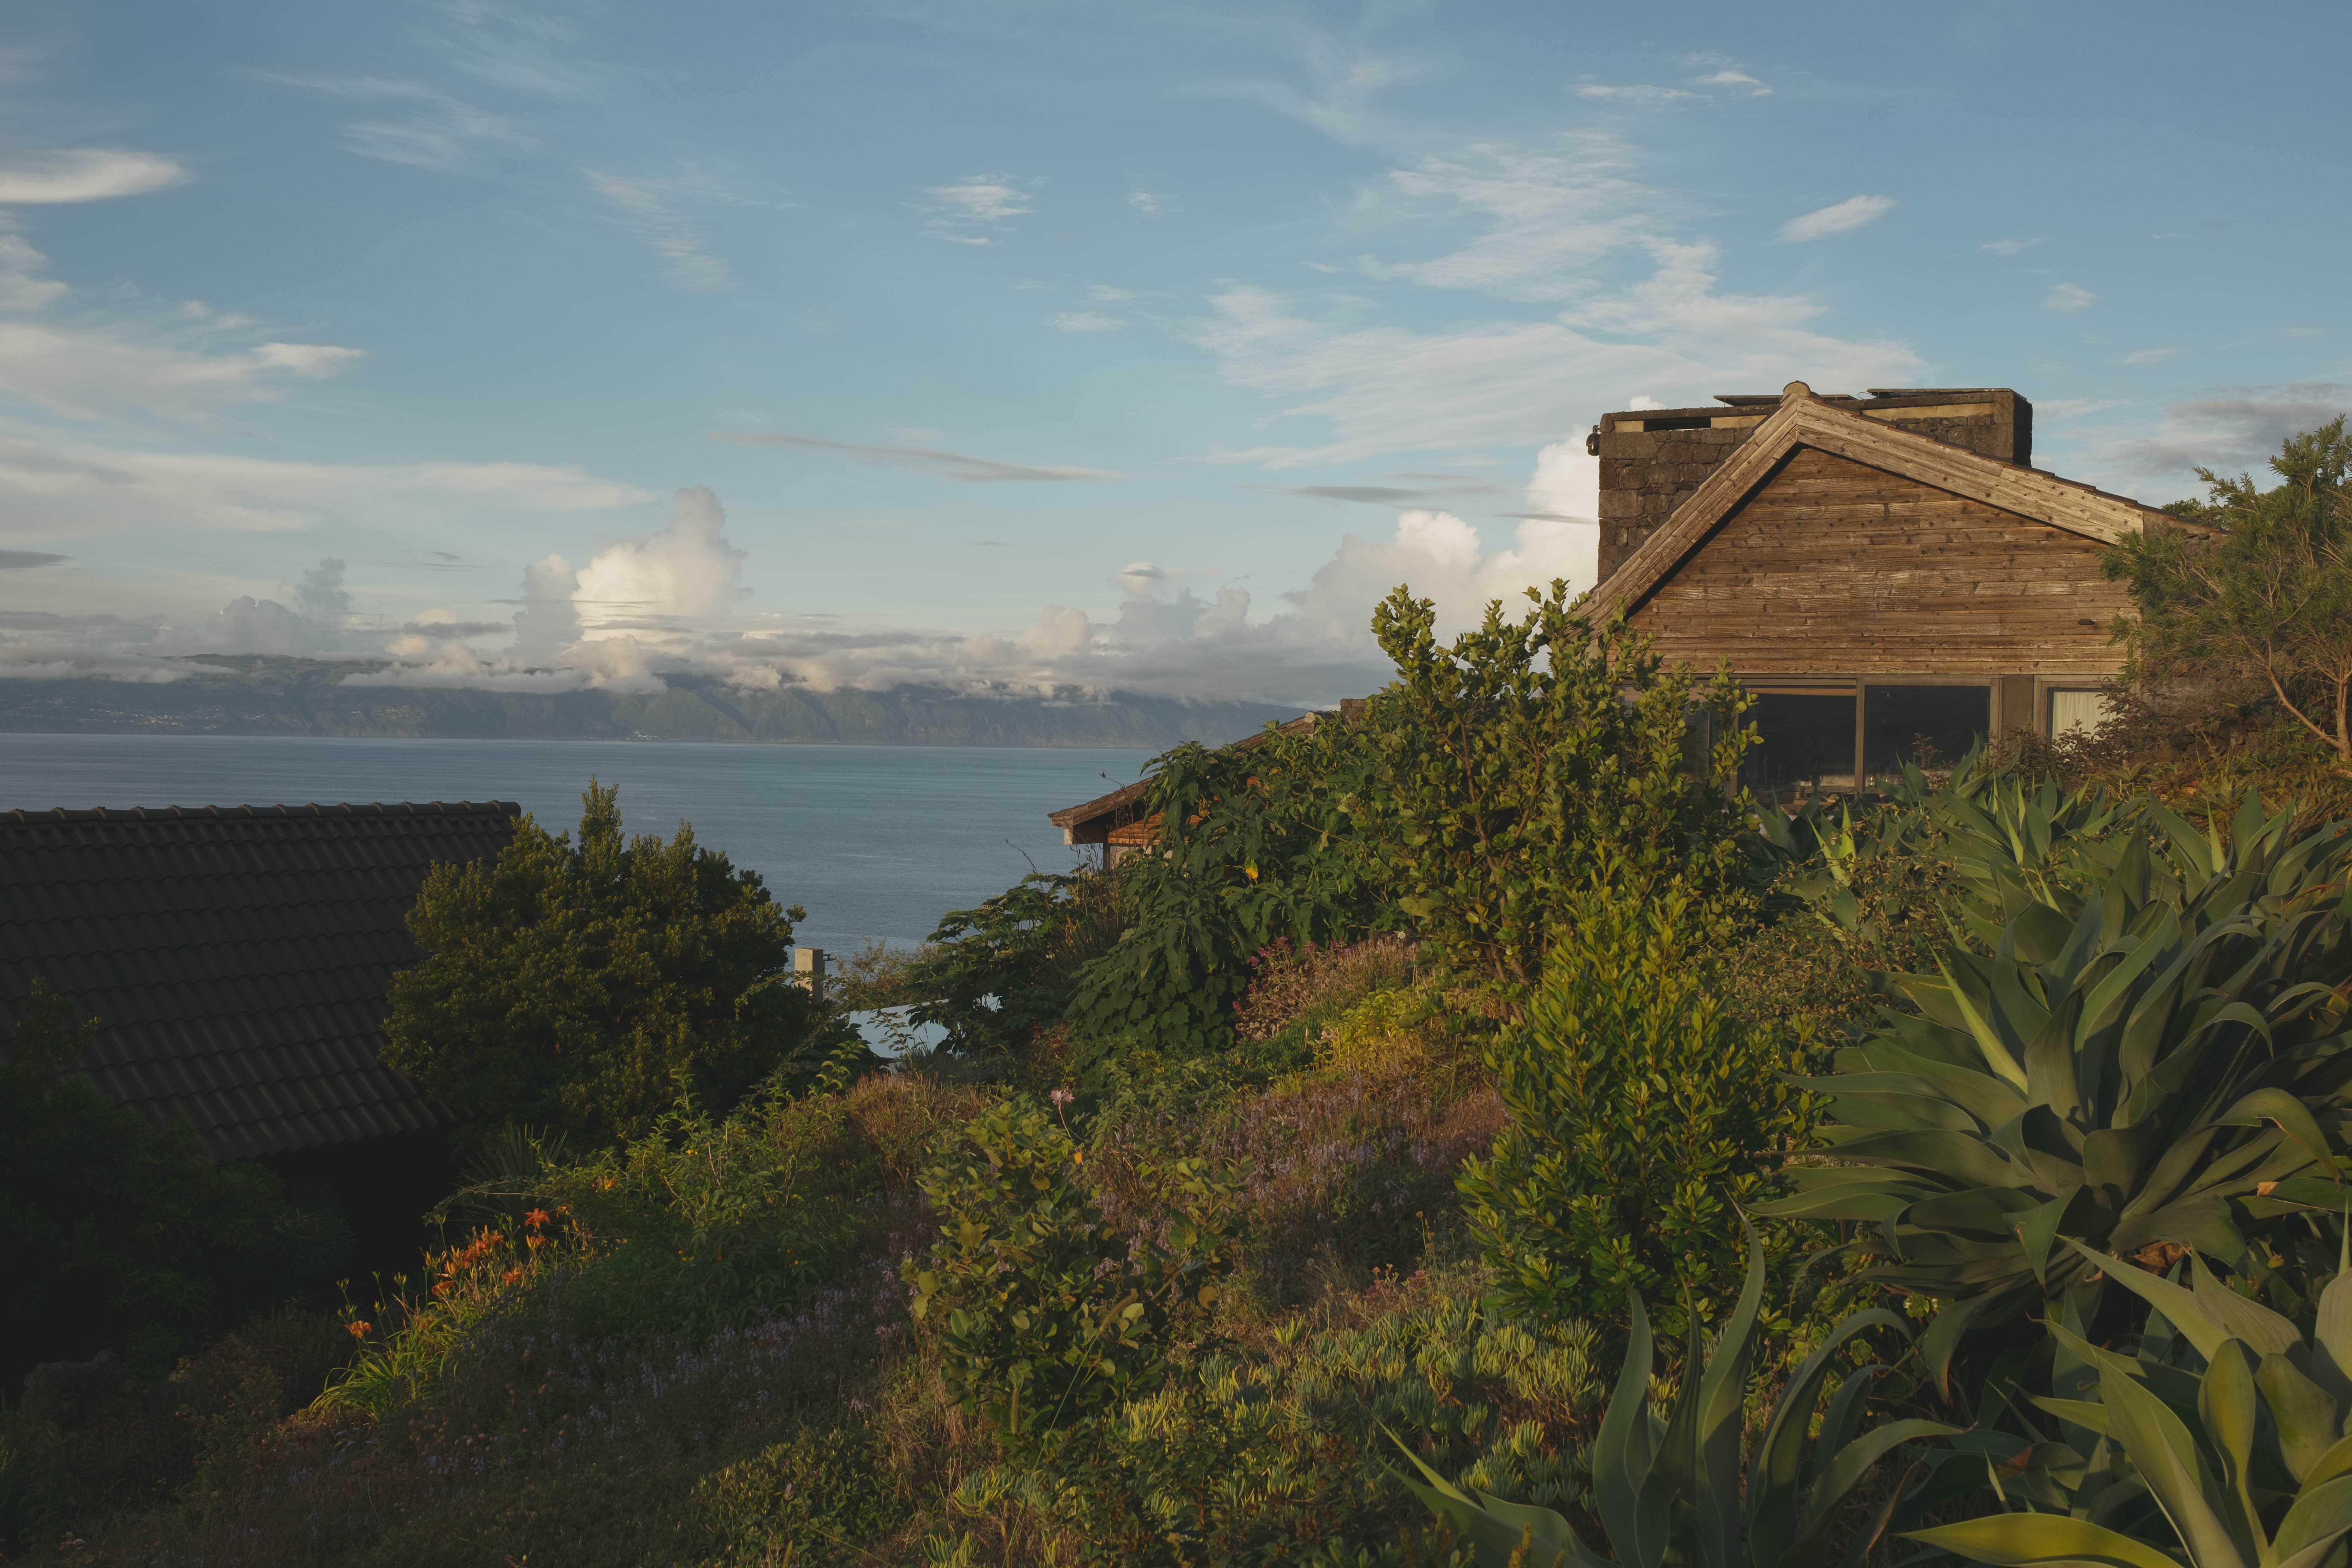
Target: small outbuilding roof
x,y
236,957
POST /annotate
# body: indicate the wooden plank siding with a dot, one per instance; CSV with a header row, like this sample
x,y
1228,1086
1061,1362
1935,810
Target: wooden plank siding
x,y
1834,568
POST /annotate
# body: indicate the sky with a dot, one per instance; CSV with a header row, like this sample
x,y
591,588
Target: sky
x,y
1019,347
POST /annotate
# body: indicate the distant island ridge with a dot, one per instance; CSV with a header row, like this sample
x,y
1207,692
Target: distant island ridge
x,y
271,695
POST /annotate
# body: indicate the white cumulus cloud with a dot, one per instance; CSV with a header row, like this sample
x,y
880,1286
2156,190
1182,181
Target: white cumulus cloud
x,y
2069,297
685,572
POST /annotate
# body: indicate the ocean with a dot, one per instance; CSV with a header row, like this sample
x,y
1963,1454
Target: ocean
x,y
876,842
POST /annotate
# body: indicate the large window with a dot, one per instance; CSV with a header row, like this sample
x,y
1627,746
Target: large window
x,y
1813,739
1804,740
1925,724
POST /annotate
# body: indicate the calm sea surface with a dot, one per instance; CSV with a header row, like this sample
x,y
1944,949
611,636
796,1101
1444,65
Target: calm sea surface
x,y
874,841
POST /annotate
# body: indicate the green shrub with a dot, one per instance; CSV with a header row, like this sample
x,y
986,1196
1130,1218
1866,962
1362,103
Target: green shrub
x,y
121,1237
570,984
1642,1114
993,977
1047,1303
811,1499
2141,1061
708,1222
1247,854
1496,773
2263,600
1266,1458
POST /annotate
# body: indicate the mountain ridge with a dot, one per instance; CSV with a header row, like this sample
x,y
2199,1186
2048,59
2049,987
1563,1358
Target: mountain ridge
x,y
276,695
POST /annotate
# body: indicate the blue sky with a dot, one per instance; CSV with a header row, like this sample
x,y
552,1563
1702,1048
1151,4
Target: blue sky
x,y
1029,345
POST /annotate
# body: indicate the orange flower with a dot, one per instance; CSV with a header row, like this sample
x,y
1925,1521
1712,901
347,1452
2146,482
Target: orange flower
x,y
510,1275
535,1218
358,1328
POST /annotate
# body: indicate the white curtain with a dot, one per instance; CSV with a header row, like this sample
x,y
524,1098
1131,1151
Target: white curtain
x,y
2072,710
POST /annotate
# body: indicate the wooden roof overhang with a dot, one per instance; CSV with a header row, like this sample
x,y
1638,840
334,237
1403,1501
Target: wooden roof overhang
x,y
1803,419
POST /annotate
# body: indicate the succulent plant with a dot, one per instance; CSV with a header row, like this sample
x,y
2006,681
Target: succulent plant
x,y
2135,1061
1678,1485
2240,1462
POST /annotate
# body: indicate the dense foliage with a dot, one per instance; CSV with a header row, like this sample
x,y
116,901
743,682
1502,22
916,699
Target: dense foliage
x,y
2155,1039
1501,773
1051,1304
119,1236
579,984
2261,594
1642,1115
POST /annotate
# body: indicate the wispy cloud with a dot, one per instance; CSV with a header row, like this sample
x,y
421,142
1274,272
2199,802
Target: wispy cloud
x,y
1841,217
526,47
26,560
1546,211
50,485
2069,297
1151,203
973,203
1388,389
651,207
2147,356
92,368
83,174
1083,321
433,131
1437,490
954,465
1640,95
2010,246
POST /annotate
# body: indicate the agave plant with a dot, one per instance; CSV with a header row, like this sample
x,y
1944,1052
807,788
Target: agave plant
x,y
2130,1072
2240,1462
1679,1485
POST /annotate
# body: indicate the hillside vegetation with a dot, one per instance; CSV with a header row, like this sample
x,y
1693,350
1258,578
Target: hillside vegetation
x,y
1473,1133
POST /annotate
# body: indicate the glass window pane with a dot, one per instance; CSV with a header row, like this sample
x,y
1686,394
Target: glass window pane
x,y
2077,711
1922,724
1805,739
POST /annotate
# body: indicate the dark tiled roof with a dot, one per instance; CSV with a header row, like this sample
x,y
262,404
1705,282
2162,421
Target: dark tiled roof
x,y
237,957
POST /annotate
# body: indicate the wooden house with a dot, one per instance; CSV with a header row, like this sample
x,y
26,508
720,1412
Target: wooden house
x,y
1888,574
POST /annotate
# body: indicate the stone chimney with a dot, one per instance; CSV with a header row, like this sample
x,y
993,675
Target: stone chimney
x,y
1652,458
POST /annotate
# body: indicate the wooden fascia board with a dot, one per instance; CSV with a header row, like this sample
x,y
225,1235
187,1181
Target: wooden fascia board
x,y
1659,555
1101,806
2029,492
1805,421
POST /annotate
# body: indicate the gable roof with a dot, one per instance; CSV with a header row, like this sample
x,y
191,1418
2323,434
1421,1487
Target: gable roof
x,y
237,957
1805,420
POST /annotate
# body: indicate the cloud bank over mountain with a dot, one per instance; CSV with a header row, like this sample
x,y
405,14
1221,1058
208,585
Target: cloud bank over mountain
x,y
675,602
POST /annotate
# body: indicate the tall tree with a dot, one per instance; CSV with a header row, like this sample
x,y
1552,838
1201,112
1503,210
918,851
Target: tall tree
x,y
576,985
2262,595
